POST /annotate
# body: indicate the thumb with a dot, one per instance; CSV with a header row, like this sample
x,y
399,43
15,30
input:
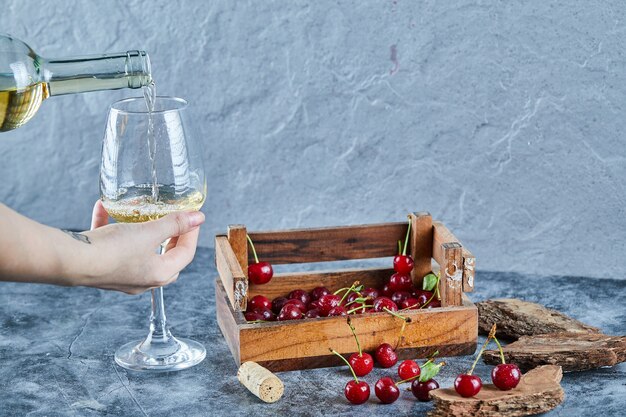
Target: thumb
x,y
175,224
99,216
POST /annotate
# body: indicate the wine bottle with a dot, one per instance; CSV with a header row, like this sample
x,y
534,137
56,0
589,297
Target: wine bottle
x,y
26,79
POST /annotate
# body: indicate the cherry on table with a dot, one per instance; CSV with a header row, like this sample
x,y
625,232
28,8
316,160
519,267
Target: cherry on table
x,y
381,303
421,390
317,292
386,356
300,295
506,376
259,301
408,369
362,363
357,392
278,303
386,390
290,312
467,385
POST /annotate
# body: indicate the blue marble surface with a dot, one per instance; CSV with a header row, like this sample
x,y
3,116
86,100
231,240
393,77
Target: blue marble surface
x,y
56,347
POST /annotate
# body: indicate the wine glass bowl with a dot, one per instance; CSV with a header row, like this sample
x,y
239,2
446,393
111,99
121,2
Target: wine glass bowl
x,y
152,166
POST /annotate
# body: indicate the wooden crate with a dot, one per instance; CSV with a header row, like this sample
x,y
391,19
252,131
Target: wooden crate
x,y
299,344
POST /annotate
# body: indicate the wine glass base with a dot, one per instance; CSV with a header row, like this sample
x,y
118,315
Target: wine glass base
x,y
141,356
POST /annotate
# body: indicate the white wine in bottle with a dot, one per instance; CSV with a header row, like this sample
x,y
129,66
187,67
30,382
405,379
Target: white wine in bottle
x,y
26,79
135,204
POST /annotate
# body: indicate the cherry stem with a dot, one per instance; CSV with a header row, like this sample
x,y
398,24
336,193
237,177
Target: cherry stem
x,y
256,259
492,334
346,288
347,363
406,239
399,247
353,288
500,349
256,321
434,293
358,345
409,307
362,307
393,313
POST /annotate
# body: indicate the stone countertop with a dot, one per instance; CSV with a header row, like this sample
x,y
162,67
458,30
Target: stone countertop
x,y
57,344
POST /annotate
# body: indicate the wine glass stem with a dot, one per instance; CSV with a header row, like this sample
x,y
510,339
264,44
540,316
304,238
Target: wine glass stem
x,y
158,321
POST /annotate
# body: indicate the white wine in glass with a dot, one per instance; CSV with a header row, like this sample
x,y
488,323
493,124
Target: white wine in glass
x,y
152,166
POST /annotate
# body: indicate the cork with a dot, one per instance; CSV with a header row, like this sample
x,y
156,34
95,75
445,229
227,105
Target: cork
x,y
260,381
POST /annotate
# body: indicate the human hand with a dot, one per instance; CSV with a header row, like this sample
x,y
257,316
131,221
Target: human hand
x,y
123,256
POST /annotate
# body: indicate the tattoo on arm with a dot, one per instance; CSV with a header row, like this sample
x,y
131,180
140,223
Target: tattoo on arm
x,y
78,236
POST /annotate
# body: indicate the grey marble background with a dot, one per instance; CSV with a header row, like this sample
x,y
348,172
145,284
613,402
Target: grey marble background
x,y
503,119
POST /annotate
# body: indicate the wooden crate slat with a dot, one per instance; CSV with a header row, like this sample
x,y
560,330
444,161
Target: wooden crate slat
x,y
226,320
329,243
284,283
441,235
234,280
237,238
312,337
451,273
421,245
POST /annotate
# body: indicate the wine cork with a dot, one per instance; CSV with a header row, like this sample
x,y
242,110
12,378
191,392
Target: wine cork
x,y
260,381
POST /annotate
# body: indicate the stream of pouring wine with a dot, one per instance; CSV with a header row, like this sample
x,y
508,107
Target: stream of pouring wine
x,y
149,93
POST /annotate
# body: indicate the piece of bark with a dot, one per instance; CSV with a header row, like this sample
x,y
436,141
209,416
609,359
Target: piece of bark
x,y
516,318
572,351
538,391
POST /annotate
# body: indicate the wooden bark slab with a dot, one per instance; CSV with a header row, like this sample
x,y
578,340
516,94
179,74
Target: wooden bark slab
x,y
538,391
572,351
516,318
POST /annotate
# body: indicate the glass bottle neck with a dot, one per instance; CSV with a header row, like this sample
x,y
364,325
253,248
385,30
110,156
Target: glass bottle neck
x,y
97,72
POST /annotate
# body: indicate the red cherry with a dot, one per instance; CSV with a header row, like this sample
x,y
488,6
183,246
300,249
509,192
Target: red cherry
x,y
259,301
314,305
385,291
403,264
399,296
278,303
386,390
312,313
370,293
410,303
301,306
362,364
357,392
467,385
350,298
337,311
383,302
267,314
409,369
253,316
260,273
300,295
506,376
434,303
317,292
290,312
422,390
386,356
327,302
400,282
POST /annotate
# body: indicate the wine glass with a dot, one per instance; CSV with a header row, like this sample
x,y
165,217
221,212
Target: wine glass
x,y
152,166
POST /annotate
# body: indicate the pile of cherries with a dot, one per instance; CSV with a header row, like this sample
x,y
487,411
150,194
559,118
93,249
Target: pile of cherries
x,y
505,376
386,389
397,293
